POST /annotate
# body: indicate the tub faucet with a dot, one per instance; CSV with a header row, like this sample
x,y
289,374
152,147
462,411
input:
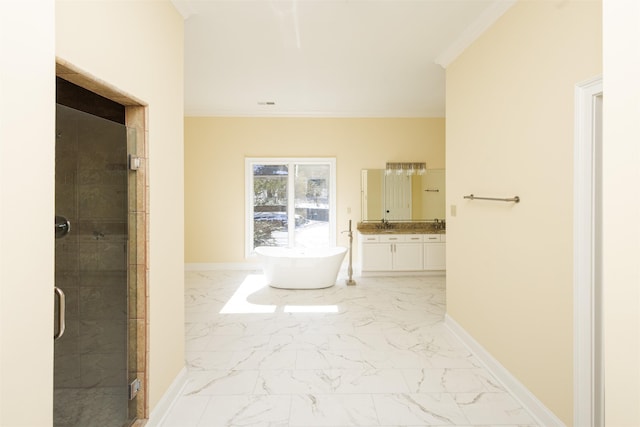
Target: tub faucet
x,y
350,280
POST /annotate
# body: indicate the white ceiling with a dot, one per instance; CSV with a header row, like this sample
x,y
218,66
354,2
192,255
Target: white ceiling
x,y
319,58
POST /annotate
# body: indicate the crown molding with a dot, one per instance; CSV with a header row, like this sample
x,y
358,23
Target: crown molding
x,y
473,31
312,114
184,7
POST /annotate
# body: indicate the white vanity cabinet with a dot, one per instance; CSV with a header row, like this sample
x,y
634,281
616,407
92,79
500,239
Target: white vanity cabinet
x,y
375,255
434,251
407,253
395,252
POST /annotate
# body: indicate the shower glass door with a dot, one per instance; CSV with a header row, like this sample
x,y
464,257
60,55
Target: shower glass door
x,y
91,372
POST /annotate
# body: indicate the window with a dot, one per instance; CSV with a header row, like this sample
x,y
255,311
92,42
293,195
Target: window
x,y
290,202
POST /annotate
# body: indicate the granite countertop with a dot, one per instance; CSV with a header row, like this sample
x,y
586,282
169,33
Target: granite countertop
x,y
410,227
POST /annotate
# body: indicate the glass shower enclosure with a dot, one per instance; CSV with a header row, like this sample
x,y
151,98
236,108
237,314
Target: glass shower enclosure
x,y
93,340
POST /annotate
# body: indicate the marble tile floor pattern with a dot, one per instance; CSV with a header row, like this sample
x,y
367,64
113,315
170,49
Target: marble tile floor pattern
x,y
374,354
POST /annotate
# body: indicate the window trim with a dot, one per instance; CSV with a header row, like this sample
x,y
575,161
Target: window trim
x,y
290,161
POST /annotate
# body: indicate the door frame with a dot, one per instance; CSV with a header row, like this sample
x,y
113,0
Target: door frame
x,y
136,120
587,330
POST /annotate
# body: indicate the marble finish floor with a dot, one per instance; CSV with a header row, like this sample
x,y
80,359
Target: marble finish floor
x,y
374,354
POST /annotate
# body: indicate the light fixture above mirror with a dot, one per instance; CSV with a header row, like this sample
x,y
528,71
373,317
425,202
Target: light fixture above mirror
x,y
405,168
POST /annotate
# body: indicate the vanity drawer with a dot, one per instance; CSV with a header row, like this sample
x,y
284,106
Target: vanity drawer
x,y
369,238
432,238
405,238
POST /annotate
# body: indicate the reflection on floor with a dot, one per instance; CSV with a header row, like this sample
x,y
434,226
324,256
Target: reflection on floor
x,y
374,354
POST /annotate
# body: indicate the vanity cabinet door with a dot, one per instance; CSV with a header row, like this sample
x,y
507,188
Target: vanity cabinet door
x,y
407,257
376,257
435,256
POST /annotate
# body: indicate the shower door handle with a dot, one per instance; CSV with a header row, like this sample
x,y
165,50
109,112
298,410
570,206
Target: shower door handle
x,y
60,321
62,226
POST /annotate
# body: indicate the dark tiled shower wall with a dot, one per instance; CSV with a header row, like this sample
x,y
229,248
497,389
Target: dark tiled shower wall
x,y
91,265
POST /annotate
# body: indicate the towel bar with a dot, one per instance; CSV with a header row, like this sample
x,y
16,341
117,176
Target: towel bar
x,y
514,199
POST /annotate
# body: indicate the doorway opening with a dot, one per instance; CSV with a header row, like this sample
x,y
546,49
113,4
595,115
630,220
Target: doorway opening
x,y
101,254
588,329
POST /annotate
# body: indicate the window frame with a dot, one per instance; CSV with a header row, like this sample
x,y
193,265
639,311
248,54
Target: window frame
x,y
290,162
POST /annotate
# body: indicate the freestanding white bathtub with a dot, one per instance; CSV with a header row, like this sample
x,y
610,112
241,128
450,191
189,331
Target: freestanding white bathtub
x,y
301,268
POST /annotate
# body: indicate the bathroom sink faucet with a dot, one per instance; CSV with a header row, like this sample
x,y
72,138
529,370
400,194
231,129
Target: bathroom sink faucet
x,y
439,225
385,224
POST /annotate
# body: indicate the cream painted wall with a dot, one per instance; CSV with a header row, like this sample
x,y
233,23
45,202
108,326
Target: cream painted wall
x,y
621,246
27,127
137,46
215,149
509,126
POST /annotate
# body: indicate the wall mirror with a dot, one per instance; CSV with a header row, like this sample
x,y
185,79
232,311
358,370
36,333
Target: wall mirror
x,y
401,197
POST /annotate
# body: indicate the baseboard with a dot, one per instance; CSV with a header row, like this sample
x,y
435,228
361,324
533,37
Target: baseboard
x,y
239,266
424,273
540,413
222,266
166,402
